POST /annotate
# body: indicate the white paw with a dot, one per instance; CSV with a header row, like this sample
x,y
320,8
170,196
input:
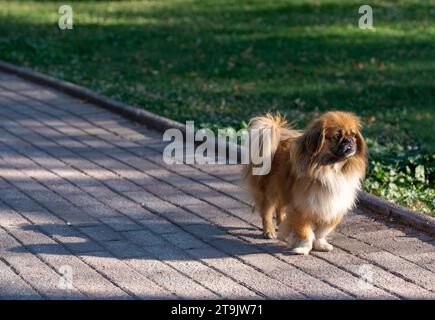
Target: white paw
x,y
301,250
322,245
303,247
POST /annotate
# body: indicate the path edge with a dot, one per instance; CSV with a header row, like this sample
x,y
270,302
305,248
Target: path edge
x,y
366,201
147,118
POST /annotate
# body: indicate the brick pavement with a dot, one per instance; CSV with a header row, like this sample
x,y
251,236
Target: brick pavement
x,y
88,209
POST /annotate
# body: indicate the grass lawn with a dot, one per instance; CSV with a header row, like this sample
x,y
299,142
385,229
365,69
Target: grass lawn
x,y
220,62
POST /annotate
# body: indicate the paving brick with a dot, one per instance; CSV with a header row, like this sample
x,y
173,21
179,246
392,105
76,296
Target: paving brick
x,y
181,199
119,201
184,240
337,277
141,261
229,222
175,281
71,238
404,246
181,217
160,189
123,249
396,241
72,215
248,215
425,259
15,84
136,162
142,197
245,274
135,212
343,282
234,246
120,223
206,232
210,278
126,277
404,268
100,211
38,274
83,278
373,275
100,233
99,191
4,184
295,277
13,287
159,225
83,109
144,238
352,245
65,189
82,200
63,209
121,185
205,210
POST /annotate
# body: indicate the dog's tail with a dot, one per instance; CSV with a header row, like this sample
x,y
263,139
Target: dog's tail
x,y
274,127
265,132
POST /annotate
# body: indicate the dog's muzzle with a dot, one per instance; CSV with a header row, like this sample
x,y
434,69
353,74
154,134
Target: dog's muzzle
x,y
347,148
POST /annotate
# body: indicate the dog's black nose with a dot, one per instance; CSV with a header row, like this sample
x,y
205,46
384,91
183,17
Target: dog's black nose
x,y
346,147
347,140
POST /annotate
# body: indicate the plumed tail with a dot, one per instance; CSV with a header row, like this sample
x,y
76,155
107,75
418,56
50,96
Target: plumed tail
x,y
273,127
265,132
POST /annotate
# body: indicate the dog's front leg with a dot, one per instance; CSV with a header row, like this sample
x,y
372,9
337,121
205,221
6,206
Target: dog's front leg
x,y
297,232
320,243
305,236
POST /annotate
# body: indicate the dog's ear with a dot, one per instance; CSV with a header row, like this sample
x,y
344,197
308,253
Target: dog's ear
x,y
314,137
361,144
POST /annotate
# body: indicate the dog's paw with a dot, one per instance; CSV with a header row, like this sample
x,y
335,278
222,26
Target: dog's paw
x,y
269,234
303,247
301,250
322,245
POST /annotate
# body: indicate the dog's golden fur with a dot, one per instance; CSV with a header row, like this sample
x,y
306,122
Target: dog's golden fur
x,y
314,178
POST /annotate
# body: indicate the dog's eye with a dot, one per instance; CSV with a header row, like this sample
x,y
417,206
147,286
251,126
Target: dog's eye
x,y
337,136
353,134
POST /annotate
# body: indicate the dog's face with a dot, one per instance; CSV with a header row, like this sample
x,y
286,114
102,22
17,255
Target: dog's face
x,y
334,137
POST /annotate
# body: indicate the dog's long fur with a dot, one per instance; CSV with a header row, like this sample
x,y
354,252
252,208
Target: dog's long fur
x,y
311,184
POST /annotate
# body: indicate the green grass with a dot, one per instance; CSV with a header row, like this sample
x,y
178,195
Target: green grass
x,y
220,62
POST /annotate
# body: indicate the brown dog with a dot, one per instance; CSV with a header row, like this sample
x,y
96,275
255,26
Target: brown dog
x,y
314,178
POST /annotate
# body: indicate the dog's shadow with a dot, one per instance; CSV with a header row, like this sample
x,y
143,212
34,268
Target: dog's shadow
x,y
195,241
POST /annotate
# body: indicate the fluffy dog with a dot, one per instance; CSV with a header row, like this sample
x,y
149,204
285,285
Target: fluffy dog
x,y
314,178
